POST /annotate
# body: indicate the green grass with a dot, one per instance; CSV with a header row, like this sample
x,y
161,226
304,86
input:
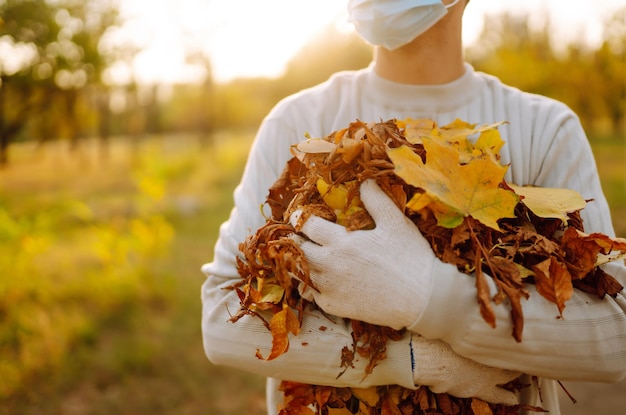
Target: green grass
x,y
145,356
610,154
127,311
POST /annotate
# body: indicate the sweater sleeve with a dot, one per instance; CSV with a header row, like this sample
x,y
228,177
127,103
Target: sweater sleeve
x,y
314,356
589,342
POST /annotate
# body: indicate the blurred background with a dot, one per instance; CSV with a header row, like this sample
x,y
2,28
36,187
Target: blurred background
x,y
124,127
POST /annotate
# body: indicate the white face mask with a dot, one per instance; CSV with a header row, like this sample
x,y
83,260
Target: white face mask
x,y
394,23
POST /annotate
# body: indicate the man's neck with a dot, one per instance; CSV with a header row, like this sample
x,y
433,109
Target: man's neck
x,y
434,58
426,69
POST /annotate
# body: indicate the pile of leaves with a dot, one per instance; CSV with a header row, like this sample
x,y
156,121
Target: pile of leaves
x,y
386,400
449,181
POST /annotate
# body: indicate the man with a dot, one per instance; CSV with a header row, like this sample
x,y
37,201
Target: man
x,y
418,71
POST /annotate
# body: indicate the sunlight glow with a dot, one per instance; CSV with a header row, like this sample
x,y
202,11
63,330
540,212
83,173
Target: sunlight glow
x,y
15,56
251,38
258,38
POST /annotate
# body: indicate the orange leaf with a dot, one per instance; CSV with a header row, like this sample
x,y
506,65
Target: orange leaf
x,y
554,282
586,251
389,407
480,407
517,315
484,296
339,411
281,324
369,396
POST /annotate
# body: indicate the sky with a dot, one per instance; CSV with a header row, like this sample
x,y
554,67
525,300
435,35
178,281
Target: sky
x,y
250,38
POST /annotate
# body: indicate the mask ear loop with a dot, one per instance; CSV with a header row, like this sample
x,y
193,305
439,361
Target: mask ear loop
x,y
447,6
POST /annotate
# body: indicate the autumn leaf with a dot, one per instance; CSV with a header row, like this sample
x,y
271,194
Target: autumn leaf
x,y
389,407
550,202
460,131
554,282
480,407
587,251
342,198
489,140
281,192
390,400
457,131
453,190
272,293
339,411
484,295
369,396
314,145
415,129
281,324
599,283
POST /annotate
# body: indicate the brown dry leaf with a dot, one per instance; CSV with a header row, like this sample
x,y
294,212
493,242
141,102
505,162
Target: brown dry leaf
x,y
480,407
282,192
393,400
339,411
299,410
554,282
322,396
281,324
514,294
599,283
389,407
484,295
445,404
587,251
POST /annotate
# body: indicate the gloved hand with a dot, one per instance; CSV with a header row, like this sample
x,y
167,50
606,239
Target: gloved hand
x,y
444,371
380,276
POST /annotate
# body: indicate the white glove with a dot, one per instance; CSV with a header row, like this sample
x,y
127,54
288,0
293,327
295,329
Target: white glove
x,y
380,276
444,371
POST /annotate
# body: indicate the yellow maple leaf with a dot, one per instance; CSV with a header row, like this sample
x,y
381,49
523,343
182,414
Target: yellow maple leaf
x,y
550,202
455,189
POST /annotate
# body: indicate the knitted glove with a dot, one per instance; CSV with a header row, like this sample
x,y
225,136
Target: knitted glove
x,y
443,371
380,276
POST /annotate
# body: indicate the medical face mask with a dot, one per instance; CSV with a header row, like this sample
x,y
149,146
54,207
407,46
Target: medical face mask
x,y
394,23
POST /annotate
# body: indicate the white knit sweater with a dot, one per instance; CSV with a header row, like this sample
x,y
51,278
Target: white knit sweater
x,y
545,146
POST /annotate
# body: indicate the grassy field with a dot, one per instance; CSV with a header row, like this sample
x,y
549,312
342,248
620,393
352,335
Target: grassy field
x,y
143,356
102,296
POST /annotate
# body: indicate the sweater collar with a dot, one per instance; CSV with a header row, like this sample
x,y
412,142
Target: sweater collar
x,y
431,98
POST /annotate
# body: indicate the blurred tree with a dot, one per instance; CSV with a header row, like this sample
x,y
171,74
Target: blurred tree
x,y
49,54
82,74
329,52
518,53
206,117
244,102
610,63
578,83
26,69
590,81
